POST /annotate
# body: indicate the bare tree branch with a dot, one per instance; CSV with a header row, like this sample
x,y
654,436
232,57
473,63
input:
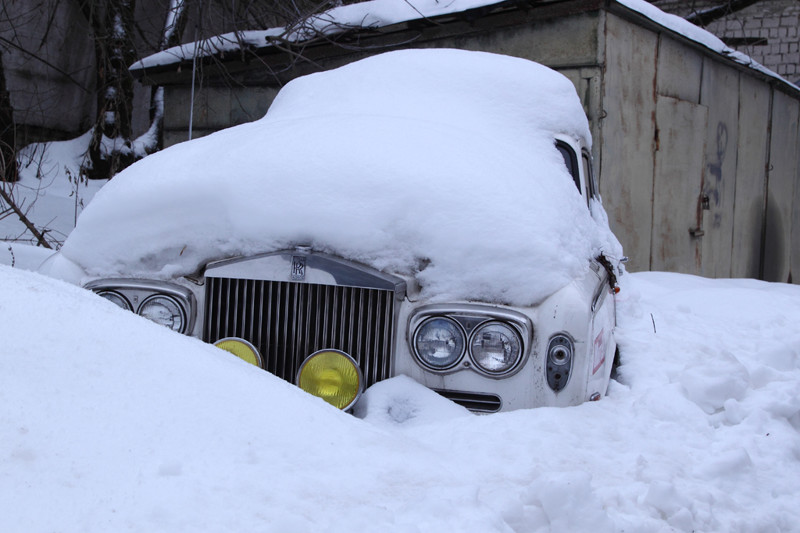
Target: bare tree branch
x,y
7,198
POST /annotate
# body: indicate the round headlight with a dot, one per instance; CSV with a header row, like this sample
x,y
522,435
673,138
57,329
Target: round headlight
x,y
241,349
439,343
495,347
117,298
333,376
164,310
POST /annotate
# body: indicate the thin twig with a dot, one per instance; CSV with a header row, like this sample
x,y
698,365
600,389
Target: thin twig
x,y
24,219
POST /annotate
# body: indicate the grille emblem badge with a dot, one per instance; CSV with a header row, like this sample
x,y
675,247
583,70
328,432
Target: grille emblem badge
x,y
298,268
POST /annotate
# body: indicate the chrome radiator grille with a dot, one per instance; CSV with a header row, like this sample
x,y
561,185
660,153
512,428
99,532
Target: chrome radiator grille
x,y
288,321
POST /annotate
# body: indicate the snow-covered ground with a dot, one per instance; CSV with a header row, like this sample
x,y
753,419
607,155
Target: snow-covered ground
x,y
51,192
111,423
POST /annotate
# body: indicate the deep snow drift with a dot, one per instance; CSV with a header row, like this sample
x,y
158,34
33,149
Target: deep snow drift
x,y
442,160
111,423
50,192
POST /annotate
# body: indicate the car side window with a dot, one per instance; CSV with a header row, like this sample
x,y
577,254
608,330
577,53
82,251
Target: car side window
x,y
586,159
571,161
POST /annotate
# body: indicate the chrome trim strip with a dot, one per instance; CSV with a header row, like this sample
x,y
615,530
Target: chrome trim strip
x,y
477,402
600,294
320,269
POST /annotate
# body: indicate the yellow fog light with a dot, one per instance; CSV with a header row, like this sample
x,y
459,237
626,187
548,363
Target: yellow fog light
x,y
241,349
333,376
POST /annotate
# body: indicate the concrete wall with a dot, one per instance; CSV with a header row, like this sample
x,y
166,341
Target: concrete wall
x,y
55,101
215,108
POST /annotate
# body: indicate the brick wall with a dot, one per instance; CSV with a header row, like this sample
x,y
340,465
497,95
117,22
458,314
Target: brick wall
x,y
767,31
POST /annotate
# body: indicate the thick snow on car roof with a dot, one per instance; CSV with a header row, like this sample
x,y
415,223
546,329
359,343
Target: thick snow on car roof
x,y
435,163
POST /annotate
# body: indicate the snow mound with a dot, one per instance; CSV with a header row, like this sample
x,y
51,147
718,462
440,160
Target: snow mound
x,y
116,424
401,401
23,256
50,190
109,422
437,158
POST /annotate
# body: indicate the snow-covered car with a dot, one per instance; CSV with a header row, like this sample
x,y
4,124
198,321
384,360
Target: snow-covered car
x,y
429,213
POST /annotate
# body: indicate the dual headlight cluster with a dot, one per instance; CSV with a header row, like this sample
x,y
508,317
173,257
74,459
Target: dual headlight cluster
x,y
170,305
491,342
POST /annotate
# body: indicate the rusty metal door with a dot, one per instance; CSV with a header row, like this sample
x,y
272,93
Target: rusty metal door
x,y
678,185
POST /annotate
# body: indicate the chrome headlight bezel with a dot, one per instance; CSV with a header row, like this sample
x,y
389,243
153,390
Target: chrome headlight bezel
x,y
166,301
137,293
115,298
471,318
460,341
514,342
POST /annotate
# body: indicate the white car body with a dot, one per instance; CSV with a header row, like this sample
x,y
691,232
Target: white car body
x,y
290,292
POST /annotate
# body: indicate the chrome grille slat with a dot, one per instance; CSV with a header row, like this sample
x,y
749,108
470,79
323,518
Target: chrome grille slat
x,y
368,333
288,321
235,296
474,401
251,324
268,335
259,306
351,329
284,344
387,335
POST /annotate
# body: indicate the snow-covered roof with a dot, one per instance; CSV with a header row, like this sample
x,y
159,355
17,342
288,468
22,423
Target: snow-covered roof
x,y
382,13
697,34
414,157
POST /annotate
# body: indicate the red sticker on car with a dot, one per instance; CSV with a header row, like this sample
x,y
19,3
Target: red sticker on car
x,y
599,351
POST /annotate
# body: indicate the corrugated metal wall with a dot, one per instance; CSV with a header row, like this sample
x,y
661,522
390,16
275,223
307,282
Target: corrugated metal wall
x,y
699,159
